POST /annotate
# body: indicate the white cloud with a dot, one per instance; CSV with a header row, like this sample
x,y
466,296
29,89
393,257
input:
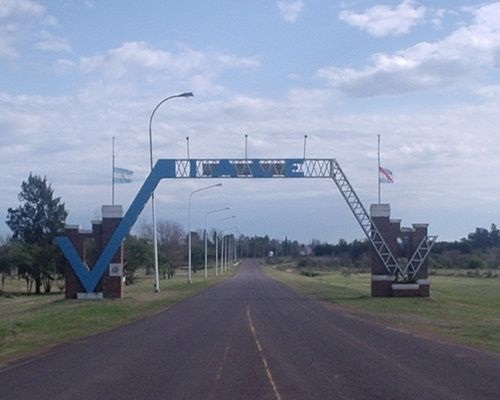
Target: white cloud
x,y
49,42
437,17
290,9
63,65
20,8
136,61
132,55
489,91
458,58
21,22
385,20
7,50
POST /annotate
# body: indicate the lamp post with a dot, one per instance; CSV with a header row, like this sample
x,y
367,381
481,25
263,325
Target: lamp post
x,y
235,254
225,247
155,239
206,241
189,224
217,244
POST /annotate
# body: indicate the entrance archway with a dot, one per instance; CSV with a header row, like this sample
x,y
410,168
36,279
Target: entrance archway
x,y
238,168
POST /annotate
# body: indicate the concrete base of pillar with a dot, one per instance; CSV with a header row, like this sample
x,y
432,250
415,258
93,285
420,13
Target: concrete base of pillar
x,y
385,286
405,290
89,296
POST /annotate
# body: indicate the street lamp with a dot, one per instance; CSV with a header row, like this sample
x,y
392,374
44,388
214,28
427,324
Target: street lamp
x,y
155,239
217,244
225,247
189,223
233,250
206,241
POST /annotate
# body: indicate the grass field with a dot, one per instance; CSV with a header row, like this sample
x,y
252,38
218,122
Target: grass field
x,y
463,310
30,323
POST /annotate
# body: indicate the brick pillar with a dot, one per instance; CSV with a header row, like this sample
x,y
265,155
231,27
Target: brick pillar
x,y
112,280
72,284
77,237
97,233
99,245
382,282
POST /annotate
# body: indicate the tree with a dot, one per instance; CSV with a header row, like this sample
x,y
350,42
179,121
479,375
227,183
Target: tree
x,y
20,256
480,239
5,260
494,235
35,223
171,246
138,253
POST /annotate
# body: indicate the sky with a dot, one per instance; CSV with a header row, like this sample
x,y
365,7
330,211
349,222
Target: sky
x,y
424,75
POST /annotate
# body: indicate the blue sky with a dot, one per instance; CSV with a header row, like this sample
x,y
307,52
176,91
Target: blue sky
x,y
422,74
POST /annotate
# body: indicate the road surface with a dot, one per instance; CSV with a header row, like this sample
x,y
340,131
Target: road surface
x,y
253,338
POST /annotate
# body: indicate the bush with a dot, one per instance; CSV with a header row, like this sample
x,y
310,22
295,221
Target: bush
x,y
302,263
475,263
310,274
346,272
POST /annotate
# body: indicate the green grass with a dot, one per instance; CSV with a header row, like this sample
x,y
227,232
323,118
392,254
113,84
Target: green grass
x,y
462,310
31,323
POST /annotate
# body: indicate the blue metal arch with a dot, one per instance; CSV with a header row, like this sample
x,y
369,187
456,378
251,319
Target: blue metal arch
x,y
243,168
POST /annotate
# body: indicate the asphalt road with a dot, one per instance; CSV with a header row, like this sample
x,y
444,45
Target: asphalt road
x,y
253,338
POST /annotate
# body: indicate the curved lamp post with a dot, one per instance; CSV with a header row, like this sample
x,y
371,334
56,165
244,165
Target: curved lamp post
x,y
155,239
206,241
189,223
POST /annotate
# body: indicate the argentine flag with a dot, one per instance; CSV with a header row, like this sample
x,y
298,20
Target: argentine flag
x,y
122,175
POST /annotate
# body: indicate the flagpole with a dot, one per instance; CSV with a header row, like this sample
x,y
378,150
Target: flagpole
x,y
378,169
246,147
113,173
305,141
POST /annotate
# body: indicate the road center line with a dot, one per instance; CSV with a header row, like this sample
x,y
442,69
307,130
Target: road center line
x,y
263,358
224,357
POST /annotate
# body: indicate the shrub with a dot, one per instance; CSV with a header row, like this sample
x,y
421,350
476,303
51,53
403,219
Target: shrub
x,y
475,263
310,274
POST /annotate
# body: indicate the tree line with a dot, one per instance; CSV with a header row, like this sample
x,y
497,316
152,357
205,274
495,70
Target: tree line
x,y
480,249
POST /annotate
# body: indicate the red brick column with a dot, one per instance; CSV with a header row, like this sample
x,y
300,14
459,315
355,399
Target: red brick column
x,y
72,284
381,285
77,237
112,280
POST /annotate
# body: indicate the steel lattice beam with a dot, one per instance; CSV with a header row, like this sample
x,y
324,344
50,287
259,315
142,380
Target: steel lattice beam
x,y
249,168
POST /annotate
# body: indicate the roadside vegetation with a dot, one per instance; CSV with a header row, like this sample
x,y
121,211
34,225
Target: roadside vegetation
x,y
463,307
